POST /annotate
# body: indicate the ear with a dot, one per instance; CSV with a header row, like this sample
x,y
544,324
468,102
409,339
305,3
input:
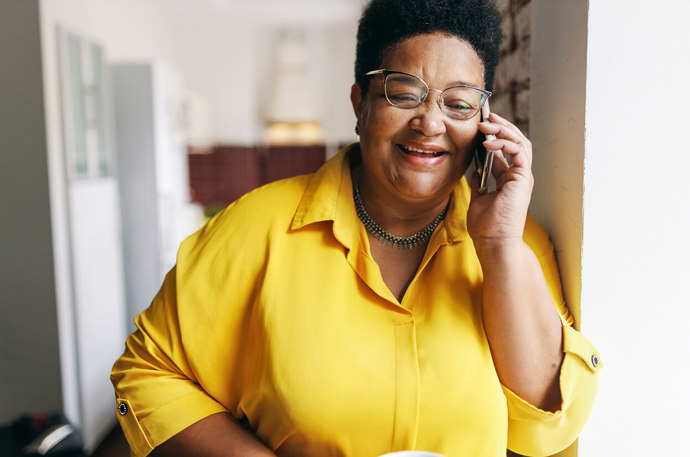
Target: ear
x,y
356,99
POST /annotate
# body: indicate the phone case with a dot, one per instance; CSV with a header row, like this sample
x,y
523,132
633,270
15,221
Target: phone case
x,y
483,159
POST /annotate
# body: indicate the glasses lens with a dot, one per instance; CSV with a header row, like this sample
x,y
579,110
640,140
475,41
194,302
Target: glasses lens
x,y
462,102
405,91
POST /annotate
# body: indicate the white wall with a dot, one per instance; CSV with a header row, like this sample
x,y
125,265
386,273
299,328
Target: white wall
x,y
636,243
128,29
227,59
216,61
635,297
340,47
557,126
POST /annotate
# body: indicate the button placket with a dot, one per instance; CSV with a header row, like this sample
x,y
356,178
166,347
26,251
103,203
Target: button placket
x,y
406,387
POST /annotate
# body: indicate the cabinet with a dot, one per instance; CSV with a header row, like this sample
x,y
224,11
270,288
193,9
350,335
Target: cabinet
x,y
153,176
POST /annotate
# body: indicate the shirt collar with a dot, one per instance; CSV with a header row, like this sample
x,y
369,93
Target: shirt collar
x,y
455,223
326,189
328,197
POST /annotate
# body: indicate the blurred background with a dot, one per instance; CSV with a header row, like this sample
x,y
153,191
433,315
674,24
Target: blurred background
x,y
125,123
138,120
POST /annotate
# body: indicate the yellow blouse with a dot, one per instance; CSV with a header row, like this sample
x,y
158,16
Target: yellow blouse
x,y
277,313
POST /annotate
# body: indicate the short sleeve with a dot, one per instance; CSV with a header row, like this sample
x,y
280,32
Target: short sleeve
x,y
157,393
535,432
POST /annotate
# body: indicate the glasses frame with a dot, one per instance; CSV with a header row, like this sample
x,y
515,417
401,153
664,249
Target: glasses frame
x,y
386,73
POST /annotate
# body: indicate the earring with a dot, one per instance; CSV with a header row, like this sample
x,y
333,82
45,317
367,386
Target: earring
x,y
357,130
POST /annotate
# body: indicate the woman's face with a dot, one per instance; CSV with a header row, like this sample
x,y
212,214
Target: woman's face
x,y
391,136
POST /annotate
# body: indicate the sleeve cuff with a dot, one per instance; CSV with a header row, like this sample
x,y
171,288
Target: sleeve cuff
x,y
533,431
162,424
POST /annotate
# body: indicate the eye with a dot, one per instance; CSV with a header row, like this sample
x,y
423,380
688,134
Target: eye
x,y
458,105
404,97
404,91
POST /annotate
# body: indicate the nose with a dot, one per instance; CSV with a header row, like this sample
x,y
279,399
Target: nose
x,y
429,119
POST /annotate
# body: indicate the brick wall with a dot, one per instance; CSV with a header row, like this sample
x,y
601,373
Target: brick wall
x,y
511,85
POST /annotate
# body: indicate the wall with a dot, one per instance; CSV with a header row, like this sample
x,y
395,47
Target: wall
x,y
636,248
511,92
221,71
559,48
621,60
234,72
30,374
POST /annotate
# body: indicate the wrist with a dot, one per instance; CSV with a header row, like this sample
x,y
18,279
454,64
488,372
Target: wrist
x,y
492,250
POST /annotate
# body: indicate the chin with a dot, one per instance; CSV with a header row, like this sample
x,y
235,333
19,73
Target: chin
x,y
423,190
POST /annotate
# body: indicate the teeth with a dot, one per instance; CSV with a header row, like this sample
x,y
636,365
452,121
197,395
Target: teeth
x,y
421,151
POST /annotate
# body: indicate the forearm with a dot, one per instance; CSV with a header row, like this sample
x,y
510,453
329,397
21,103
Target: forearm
x,y
216,435
521,322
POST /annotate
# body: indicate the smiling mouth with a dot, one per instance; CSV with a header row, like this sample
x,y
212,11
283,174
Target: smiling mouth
x,y
420,152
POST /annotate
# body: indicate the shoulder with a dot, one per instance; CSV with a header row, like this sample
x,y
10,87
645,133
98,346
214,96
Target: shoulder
x,y
272,203
259,219
247,223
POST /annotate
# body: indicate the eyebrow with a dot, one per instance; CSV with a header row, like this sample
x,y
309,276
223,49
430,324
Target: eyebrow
x,y
463,83
458,82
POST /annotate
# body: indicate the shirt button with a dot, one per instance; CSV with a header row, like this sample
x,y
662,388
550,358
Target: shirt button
x,y
595,360
122,408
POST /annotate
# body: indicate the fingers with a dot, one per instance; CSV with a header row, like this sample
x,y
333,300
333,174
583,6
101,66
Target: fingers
x,y
499,169
509,139
496,124
474,186
520,155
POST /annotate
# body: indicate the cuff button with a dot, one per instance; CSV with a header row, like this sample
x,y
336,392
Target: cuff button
x,y
122,408
595,360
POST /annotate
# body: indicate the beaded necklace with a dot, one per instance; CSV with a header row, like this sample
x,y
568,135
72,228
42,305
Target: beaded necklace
x,y
400,242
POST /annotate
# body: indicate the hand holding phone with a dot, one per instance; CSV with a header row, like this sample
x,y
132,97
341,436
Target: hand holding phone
x,y
483,159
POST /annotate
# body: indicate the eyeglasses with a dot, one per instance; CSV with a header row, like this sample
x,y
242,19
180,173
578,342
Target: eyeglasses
x,y
407,91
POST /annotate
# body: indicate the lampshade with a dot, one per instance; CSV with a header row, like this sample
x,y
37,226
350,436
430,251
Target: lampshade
x,y
291,115
291,96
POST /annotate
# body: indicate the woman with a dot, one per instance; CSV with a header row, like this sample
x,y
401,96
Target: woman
x,y
380,304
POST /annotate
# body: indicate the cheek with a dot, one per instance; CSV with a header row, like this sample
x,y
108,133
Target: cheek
x,y
381,122
466,140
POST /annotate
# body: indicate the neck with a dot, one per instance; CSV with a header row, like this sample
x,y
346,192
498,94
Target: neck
x,y
396,216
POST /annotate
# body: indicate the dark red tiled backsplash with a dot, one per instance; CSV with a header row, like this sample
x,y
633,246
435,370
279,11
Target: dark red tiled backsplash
x,y
221,176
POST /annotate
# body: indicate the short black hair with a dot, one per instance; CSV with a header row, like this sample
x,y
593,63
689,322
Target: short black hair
x,y
385,23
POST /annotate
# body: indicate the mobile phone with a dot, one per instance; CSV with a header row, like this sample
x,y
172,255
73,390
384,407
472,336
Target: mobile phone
x,y
483,159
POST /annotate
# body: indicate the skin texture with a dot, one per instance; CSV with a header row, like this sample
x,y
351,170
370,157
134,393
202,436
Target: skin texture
x,y
218,435
404,195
